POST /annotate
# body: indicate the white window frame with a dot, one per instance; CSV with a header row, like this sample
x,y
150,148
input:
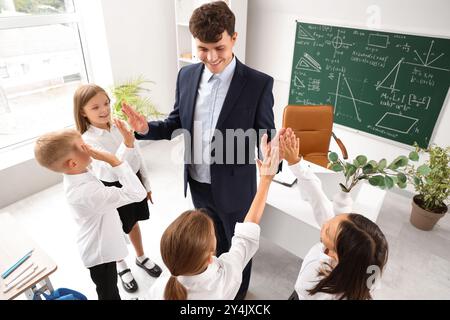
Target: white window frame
x,y
37,20
12,22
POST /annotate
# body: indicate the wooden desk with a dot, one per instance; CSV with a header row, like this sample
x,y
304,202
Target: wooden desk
x,y
14,243
288,220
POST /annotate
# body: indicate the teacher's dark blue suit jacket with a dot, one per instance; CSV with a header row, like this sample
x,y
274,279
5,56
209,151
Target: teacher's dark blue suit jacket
x,y
248,105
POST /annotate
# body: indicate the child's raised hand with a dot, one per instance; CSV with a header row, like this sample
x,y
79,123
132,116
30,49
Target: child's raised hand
x,y
268,168
290,145
101,155
265,145
136,120
127,134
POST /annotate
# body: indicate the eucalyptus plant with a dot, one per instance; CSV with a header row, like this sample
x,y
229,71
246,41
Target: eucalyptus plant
x,y
378,173
135,93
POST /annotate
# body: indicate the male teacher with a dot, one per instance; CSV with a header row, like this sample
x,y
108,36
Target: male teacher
x,y
220,93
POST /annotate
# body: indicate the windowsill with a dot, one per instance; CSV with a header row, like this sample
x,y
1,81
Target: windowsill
x,y
12,156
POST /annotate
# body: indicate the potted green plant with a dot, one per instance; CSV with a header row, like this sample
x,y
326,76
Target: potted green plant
x,y
431,181
134,92
377,173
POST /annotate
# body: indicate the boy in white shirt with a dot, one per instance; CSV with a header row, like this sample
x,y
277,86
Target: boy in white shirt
x,y
99,238
189,243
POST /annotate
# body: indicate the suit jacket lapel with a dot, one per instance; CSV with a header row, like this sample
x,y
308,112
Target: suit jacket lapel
x,y
236,86
193,90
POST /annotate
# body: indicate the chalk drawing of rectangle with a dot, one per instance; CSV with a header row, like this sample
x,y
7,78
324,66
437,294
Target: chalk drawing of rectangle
x,y
378,40
396,122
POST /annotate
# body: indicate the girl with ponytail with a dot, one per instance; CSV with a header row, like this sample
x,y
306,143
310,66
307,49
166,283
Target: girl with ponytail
x,y
188,248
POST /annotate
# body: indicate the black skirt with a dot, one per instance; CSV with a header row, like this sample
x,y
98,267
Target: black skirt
x,y
133,212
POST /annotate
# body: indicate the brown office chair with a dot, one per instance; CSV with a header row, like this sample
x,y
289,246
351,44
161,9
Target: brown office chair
x,y
313,125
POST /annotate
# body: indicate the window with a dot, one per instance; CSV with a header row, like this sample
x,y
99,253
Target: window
x,y
41,65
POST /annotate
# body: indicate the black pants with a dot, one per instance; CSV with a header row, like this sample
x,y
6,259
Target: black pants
x,y
202,198
105,279
294,296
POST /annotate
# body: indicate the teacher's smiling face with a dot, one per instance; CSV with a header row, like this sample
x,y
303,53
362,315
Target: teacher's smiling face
x,y
216,55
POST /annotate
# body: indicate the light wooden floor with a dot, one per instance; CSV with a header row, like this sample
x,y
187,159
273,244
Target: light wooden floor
x,y
418,267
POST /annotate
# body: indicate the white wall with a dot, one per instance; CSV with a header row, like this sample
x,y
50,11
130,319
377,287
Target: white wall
x,y
125,39
94,41
141,40
270,44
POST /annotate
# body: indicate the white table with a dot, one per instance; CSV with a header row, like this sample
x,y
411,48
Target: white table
x,y
288,220
14,243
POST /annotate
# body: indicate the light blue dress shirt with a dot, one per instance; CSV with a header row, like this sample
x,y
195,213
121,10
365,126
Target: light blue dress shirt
x,y
212,90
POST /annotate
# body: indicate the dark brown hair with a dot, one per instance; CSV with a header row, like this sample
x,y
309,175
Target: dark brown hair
x,y
359,245
81,97
186,246
210,20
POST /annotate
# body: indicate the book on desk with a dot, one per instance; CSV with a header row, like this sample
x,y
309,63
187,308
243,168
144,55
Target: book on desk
x,y
285,177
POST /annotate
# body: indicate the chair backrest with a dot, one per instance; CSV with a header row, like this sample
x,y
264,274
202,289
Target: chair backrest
x,y
313,125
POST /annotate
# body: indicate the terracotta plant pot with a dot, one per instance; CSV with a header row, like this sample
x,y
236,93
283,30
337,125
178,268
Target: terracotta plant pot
x,y
423,219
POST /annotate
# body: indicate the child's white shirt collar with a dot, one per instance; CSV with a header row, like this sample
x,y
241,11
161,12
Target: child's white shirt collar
x,y
98,131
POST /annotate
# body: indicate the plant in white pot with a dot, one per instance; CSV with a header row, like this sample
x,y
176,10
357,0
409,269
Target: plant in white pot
x,y
431,181
379,174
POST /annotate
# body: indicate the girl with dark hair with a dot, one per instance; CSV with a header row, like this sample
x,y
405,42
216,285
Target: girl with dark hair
x,y
352,247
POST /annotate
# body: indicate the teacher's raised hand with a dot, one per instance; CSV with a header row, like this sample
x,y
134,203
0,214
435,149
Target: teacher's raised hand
x,y
136,120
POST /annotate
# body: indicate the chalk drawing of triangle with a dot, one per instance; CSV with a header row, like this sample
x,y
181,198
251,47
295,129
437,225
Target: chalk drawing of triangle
x,y
304,64
303,34
390,81
298,83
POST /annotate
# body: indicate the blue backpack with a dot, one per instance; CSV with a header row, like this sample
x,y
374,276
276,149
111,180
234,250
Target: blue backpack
x,y
60,294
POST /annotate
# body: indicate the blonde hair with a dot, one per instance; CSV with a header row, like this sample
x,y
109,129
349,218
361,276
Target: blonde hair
x,y
81,97
52,149
186,246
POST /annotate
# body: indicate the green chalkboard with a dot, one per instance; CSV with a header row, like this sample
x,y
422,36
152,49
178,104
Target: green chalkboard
x,y
387,84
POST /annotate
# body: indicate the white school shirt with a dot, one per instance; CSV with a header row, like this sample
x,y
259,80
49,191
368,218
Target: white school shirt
x,y
223,277
94,208
212,91
311,187
112,141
